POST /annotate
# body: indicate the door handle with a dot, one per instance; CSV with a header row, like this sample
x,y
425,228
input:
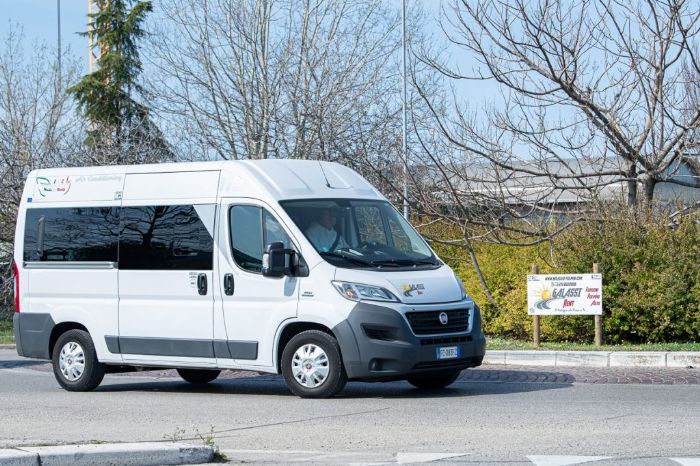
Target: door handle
x,y
202,283
228,284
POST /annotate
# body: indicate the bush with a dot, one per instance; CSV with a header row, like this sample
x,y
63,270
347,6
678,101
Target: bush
x,y
651,281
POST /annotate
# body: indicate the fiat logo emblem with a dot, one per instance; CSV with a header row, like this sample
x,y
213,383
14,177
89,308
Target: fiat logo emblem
x,y
443,318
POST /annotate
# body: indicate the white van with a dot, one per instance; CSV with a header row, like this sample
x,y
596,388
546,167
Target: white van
x,y
295,267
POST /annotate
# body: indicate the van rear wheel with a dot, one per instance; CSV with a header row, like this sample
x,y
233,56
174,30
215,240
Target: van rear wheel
x,y
434,380
312,366
75,363
198,376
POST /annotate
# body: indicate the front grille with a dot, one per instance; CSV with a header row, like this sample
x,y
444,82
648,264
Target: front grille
x,y
428,322
445,340
445,364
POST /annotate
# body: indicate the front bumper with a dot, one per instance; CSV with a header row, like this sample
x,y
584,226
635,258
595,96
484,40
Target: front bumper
x,y
377,344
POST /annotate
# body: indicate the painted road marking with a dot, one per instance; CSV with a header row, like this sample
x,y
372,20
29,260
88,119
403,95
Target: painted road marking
x,y
687,461
553,460
407,458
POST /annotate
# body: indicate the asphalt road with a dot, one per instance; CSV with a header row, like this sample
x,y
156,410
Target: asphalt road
x,y
257,419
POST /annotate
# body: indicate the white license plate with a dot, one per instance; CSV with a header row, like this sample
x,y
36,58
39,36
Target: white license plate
x,y
447,352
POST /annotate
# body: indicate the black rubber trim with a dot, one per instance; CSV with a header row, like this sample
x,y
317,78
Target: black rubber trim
x,y
112,343
243,349
33,333
167,347
221,349
225,349
16,325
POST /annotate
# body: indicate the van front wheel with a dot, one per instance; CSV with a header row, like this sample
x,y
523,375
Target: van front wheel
x,y
312,366
75,363
198,376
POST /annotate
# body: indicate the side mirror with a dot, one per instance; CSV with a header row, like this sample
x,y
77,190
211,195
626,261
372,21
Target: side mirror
x,y
274,261
278,262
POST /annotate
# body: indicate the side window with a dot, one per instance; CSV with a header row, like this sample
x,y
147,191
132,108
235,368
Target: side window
x,y
252,228
71,234
274,232
246,237
369,225
164,238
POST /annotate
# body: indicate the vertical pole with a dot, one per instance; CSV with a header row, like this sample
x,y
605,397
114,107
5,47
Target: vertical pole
x,y
58,58
91,45
598,319
403,79
536,318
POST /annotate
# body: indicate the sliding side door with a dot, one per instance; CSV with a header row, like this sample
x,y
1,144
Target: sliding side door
x,y
166,260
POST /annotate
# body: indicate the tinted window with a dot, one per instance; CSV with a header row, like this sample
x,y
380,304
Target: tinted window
x,y
246,237
71,234
251,229
164,238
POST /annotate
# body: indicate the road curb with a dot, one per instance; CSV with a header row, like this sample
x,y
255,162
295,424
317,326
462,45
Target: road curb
x,y
108,454
670,359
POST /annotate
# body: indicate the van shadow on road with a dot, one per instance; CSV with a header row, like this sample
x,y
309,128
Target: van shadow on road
x,y
274,386
15,363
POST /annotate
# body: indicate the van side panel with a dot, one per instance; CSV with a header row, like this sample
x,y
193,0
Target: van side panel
x,y
84,296
65,250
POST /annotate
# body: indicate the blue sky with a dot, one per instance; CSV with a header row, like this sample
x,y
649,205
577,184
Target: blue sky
x,y
38,19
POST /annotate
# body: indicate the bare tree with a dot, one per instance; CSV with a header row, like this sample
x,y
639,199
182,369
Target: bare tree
x,y
275,78
593,95
36,128
592,106
35,122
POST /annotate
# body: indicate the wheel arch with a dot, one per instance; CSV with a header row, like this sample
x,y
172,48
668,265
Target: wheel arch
x,y
349,351
61,328
294,328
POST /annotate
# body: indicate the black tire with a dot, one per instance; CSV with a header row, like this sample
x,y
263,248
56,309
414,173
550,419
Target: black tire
x,y
435,380
93,371
336,377
198,376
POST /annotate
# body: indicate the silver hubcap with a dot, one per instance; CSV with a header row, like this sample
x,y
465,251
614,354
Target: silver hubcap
x,y
72,361
310,366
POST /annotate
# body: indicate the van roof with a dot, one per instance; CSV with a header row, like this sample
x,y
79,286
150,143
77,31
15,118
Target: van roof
x,y
272,179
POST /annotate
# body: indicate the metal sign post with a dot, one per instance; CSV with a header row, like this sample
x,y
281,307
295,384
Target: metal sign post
x,y
536,317
598,317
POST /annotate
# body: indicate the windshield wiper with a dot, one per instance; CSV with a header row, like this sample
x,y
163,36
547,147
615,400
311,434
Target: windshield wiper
x,y
404,262
348,258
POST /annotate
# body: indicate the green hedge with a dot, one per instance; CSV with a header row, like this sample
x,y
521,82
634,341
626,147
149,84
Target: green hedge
x,y
651,282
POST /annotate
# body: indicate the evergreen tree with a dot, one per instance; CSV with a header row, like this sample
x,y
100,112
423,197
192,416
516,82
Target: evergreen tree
x,y
120,127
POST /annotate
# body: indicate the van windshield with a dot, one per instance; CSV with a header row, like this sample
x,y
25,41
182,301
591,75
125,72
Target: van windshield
x,y
360,234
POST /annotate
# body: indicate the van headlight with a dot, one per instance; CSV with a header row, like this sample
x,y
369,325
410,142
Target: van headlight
x,y
360,292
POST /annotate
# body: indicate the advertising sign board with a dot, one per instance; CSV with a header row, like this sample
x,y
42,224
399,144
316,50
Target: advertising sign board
x,y
579,294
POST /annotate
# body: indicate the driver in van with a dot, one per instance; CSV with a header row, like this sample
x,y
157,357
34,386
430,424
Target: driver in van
x,y
322,233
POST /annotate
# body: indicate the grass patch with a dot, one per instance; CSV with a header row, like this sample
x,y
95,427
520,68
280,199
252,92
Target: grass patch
x,y
496,343
7,337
